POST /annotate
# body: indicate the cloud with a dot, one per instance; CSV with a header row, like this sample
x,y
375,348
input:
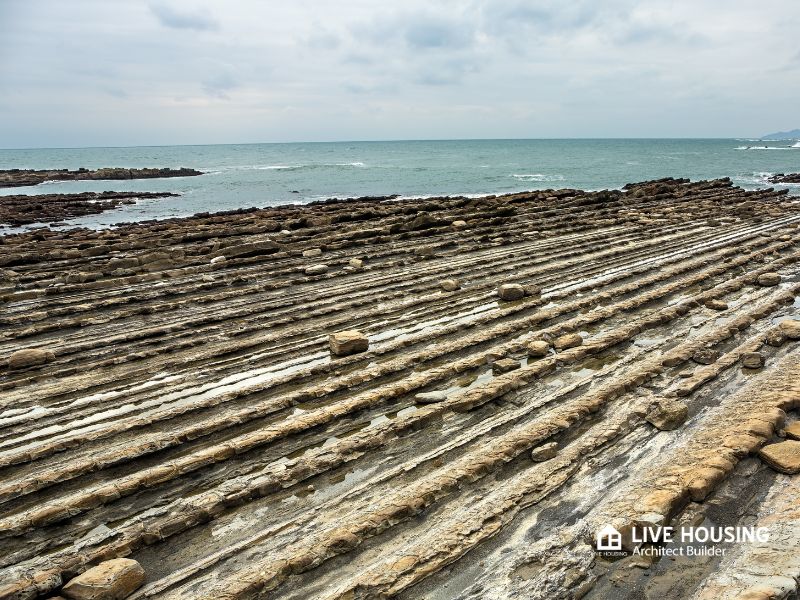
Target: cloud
x,y
219,85
198,20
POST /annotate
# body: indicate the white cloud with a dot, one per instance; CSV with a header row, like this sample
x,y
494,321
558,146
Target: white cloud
x,y
93,72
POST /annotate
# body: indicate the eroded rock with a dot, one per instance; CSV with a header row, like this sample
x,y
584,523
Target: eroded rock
x,y
30,357
544,452
113,579
450,285
753,360
504,365
345,343
538,349
316,270
667,414
768,279
511,291
566,341
783,456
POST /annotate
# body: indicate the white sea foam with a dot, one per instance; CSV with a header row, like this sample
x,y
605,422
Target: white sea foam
x,y
537,177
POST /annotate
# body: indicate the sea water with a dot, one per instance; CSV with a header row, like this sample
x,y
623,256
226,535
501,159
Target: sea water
x,y
246,175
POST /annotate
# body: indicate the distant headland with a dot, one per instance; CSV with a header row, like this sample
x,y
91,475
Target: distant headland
x,y
783,135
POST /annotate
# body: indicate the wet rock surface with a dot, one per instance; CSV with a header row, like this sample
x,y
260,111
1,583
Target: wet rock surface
x,y
18,210
25,177
785,178
193,417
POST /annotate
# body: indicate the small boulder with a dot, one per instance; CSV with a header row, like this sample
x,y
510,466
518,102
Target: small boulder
x,y
431,397
775,338
356,263
752,360
504,365
110,580
459,224
768,279
511,291
538,349
790,329
705,356
544,452
316,270
568,340
667,414
30,357
217,260
311,252
792,430
784,457
714,304
345,343
450,285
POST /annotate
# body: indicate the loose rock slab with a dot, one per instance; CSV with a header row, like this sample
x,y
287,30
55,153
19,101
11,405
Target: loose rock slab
x,y
30,357
110,580
570,340
511,291
345,343
783,456
667,414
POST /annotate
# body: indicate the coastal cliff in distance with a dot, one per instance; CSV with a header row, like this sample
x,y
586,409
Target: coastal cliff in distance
x,y
794,134
24,177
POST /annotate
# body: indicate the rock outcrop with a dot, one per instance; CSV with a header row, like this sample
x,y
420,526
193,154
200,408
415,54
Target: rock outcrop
x,y
25,177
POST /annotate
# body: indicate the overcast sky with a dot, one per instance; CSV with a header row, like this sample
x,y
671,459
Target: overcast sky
x,y
133,72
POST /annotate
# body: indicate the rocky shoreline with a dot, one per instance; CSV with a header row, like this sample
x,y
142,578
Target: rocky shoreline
x,y
54,209
26,177
438,398
785,178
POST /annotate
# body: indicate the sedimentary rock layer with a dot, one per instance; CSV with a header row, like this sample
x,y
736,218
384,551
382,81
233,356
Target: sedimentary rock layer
x,y
21,209
23,177
177,401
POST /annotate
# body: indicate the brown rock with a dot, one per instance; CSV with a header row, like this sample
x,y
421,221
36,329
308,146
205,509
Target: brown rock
x,y
790,328
458,224
569,340
344,343
30,357
792,430
753,360
705,356
667,414
783,456
110,580
544,452
450,285
504,365
538,349
316,270
312,252
714,304
356,263
767,279
511,291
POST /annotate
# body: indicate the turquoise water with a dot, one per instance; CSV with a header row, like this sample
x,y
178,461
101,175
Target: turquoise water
x,y
260,175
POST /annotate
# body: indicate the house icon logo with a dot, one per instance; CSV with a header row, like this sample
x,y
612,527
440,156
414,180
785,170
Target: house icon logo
x,y
608,538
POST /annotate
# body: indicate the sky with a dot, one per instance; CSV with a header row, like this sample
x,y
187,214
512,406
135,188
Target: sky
x,y
136,72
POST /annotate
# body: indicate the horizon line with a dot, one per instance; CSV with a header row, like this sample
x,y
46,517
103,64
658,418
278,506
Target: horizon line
x,y
390,141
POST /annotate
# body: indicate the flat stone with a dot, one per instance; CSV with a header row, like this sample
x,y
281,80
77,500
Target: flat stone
x,y
783,456
569,340
544,452
344,343
110,580
511,291
356,263
768,279
431,397
790,329
753,360
311,252
30,357
504,365
450,285
706,356
667,414
792,430
538,349
316,270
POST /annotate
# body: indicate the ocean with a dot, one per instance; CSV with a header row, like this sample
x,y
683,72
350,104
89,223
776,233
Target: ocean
x,y
245,175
